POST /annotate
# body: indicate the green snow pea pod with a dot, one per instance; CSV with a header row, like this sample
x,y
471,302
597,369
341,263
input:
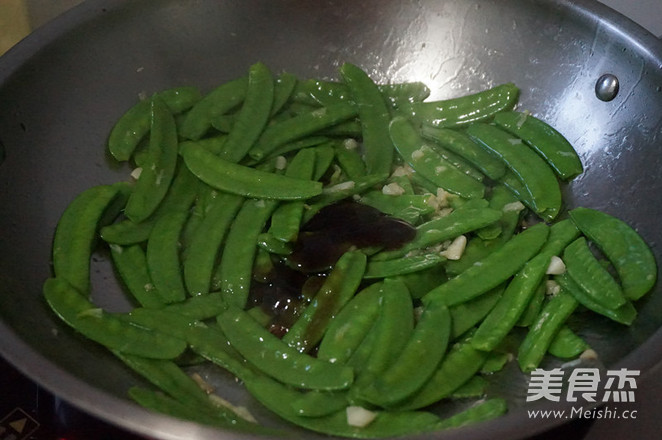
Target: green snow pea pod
x,y
300,126
458,162
296,145
351,325
474,387
402,266
542,332
591,276
272,245
466,315
408,207
319,403
507,311
238,254
253,115
623,246
544,139
246,181
286,219
159,170
624,314
417,361
458,366
465,109
80,314
180,197
160,320
134,125
350,161
276,396
460,221
531,170
401,95
340,191
429,163
484,410
205,242
216,103
131,264
561,234
76,231
283,90
374,116
567,344
274,357
163,260
211,343
338,288
494,269
392,331
164,404
461,144
170,378
533,307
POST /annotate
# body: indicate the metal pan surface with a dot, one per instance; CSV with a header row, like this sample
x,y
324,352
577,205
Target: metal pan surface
x,y
62,88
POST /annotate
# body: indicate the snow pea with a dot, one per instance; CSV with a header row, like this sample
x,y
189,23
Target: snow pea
x,y
319,403
300,126
180,197
624,314
157,174
458,366
350,161
464,110
561,234
163,260
542,332
544,139
214,104
567,344
466,315
422,354
286,219
461,144
351,325
338,288
531,170
205,242
131,265
276,359
76,231
374,116
460,221
95,324
402,266
408,207
507,311
253,115
340,191
240,247
392,331
429,163
135,124
276,397
591,276
246,181
533,307
494,269
623,246
283,90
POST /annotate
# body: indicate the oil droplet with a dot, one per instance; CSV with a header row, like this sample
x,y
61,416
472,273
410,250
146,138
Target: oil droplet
x,y
606,88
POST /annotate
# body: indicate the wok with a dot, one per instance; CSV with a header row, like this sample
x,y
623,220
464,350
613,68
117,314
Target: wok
x,y
62,88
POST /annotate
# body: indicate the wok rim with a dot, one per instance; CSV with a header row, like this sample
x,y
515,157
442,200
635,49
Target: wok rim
x,y
130,416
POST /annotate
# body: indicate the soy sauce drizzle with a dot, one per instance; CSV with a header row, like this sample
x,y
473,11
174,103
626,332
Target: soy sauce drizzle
x,y
335,229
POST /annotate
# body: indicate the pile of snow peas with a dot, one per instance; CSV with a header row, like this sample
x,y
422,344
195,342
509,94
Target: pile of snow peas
x,y
221,188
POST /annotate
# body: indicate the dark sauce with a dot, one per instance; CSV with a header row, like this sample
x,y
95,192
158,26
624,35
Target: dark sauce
x,y
335,229
344,225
